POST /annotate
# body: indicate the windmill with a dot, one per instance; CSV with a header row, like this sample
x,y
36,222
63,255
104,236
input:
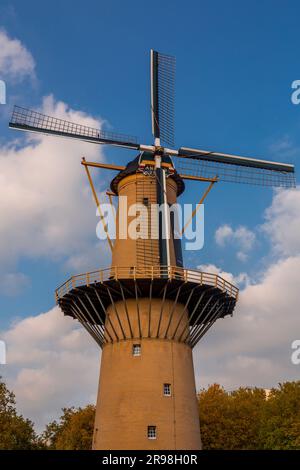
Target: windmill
x,y
146,311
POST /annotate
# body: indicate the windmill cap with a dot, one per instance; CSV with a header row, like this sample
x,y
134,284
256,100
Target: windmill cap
x,y
132,168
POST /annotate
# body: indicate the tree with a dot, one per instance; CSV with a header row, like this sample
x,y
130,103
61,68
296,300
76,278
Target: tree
x,y
214,417
249,419
16,432
74,431
281,425
247,407
231,420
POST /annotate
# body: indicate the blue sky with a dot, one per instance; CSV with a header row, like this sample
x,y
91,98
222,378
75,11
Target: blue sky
x,y
235,64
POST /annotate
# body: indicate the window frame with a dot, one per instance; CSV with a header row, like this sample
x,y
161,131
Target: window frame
x,y
165,386
137,346
151,428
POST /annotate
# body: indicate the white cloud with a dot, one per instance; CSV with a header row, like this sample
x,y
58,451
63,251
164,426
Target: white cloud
x,y
16,62
242,256
84,260
254,347
45,201
241,237
47,211
51,363
223,234
240,280
12,284
245,238
284,148
283,222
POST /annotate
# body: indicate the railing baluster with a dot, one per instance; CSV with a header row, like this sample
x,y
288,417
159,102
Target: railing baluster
x,y
148,272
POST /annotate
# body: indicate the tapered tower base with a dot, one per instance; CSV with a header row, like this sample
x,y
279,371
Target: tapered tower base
x,y
131,397
147,320
147,383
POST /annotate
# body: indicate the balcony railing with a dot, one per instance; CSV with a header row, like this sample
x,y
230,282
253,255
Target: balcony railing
x,y
147,272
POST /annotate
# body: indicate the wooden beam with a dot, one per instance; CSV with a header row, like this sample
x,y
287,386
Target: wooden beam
x,y
106,166
198,206
199,178
83,162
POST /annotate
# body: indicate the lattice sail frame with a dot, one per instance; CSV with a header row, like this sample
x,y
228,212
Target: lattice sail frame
x,y
163,96
231,173
30,120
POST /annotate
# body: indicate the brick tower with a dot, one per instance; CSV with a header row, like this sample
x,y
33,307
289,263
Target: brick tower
x,y
146,317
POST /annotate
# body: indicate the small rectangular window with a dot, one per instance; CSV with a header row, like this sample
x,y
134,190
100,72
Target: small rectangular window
x,y
167,390
145,201
151,432
136,350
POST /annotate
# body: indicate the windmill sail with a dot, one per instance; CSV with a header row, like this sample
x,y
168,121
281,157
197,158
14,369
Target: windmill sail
x,y
29,120
194,163
162,96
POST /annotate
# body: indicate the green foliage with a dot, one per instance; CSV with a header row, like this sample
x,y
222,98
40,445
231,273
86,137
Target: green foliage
x,y
16,432
281,424
250,419
74,431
